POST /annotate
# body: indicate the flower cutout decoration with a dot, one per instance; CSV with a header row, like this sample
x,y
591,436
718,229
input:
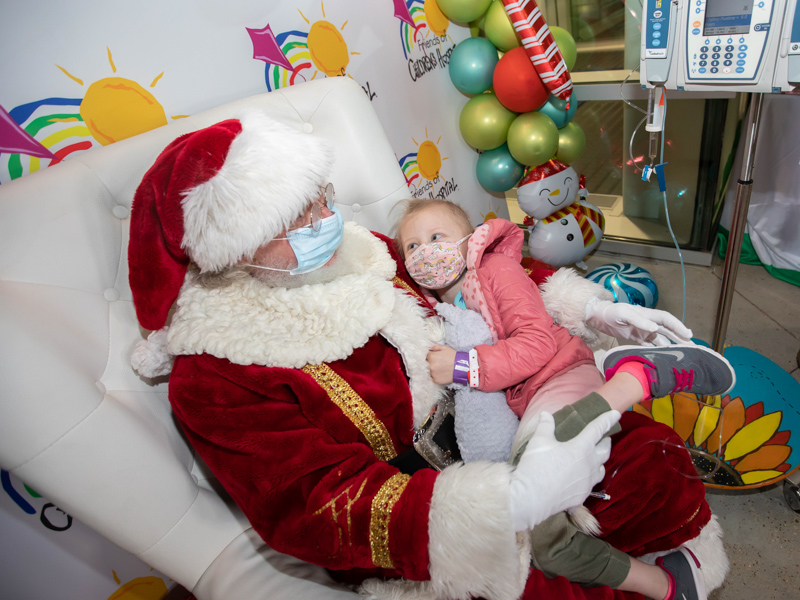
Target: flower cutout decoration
x,y
747,443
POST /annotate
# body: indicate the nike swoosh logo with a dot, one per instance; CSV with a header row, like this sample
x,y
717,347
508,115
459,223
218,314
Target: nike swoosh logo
x,y
676,353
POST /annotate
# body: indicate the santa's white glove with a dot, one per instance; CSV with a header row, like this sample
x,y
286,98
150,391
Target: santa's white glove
x,y
642,325
553,476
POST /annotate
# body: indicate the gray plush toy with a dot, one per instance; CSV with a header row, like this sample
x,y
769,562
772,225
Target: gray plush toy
x,y
485,425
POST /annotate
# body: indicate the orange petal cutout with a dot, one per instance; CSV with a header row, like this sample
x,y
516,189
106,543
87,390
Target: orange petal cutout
x,y
686,411
638,408
732,421
752,435
766,457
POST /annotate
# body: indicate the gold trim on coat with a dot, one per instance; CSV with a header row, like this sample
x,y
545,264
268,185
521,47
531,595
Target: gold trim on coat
x,y
382,504
355,409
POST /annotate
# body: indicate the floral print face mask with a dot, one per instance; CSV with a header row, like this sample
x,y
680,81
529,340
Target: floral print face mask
x,y
436,265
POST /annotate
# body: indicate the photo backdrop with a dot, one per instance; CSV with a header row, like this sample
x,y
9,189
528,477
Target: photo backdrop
x,y
89,73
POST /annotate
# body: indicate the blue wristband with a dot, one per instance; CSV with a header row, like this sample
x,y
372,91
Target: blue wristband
x,y
461,368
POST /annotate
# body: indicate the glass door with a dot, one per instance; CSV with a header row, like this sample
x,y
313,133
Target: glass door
x,y
698,144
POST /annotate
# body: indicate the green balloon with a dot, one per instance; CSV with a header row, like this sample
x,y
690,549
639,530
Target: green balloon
x,y
533,138
571,142
463,11
498,27
476,27
566,45
484,122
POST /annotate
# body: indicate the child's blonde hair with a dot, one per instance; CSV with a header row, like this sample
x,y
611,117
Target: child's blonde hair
x,y
412,206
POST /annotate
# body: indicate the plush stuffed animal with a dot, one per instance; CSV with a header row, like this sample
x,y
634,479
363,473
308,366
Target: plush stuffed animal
x,y
485,425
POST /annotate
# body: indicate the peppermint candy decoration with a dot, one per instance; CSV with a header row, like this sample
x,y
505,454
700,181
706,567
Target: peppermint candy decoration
x,y
540,45
628,283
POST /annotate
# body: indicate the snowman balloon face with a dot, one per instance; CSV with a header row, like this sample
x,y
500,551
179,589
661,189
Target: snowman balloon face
x,y
568,235
547,188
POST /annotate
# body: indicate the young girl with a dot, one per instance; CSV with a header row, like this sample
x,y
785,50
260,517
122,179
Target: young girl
x,y
542,367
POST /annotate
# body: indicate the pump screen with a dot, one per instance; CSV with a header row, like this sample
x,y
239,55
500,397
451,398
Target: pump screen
x,y
725,17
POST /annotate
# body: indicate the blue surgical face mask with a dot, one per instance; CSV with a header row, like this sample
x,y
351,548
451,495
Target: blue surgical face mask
x,y
313,249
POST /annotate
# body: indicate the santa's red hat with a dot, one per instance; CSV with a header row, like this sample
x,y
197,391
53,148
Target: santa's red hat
x,y
551,167
213,197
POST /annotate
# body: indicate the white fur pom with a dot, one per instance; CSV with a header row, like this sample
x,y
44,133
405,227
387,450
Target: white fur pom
x,y
584,520
150,357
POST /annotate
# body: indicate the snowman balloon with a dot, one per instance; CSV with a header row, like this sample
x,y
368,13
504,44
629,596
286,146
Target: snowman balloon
x,y
547,188
563,226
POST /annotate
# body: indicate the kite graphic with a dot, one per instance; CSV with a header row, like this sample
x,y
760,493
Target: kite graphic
x,y
298,54
419,18
15,140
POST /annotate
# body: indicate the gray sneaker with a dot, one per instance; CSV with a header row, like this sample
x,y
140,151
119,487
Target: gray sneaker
x,y
683,570
676,368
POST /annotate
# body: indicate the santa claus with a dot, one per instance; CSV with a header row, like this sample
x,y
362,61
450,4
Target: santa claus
x,y
297,360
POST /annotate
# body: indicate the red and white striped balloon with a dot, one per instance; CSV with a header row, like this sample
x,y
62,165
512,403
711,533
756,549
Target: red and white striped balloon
x,y
540,45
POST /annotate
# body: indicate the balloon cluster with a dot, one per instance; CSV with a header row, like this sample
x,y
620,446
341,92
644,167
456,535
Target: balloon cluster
x,y
512,118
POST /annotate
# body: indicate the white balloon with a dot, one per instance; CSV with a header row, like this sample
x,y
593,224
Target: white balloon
x,y
540,199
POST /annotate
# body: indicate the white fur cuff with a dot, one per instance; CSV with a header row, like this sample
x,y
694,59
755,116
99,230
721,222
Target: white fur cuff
x,y
473,549
565,295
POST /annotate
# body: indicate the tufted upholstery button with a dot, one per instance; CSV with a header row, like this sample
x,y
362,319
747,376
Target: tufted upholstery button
x,y
356,207
120,211
308,127
111,294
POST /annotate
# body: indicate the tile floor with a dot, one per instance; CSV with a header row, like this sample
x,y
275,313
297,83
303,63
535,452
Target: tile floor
x,y
762,534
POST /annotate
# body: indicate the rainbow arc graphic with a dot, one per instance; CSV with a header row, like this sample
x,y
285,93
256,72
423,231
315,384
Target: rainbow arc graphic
x,y
55,124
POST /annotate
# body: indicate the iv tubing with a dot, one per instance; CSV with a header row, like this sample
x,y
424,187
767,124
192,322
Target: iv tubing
x,y
666,212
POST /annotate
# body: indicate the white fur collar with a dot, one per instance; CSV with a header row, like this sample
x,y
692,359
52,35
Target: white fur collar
x,y
248,322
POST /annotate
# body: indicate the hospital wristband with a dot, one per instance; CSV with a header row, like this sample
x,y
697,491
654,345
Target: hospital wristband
x,y
474,369
461,368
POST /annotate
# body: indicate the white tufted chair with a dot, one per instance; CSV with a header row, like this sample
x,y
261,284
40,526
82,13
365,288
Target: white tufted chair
x,y
76,423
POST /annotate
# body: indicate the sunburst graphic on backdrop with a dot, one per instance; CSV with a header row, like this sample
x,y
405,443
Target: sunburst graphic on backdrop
x,y
419,18
112,109
426,162
295,56
140,588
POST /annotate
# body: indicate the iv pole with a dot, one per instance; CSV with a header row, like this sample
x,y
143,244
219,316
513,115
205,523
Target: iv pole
x,y
743,190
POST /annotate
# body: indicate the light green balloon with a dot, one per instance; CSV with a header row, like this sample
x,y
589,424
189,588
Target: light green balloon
x,y
476,27
533,138
571,142
484,122
498,27
463,11
566,45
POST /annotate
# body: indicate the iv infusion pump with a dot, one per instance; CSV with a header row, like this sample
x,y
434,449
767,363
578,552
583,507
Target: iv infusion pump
x,y
721,45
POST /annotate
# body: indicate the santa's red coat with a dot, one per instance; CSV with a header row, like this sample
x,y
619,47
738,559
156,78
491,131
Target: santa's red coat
x,y
300,438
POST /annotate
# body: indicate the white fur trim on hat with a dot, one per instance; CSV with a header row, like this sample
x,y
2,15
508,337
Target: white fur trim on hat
x,y
270,175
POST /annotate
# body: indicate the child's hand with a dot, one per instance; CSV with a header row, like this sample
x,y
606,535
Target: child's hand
x,y
441,360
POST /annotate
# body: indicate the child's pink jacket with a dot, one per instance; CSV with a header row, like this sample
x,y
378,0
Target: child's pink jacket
x,y
529,347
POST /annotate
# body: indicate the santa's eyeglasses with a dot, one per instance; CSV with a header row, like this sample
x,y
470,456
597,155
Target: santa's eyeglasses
x,y
326,200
